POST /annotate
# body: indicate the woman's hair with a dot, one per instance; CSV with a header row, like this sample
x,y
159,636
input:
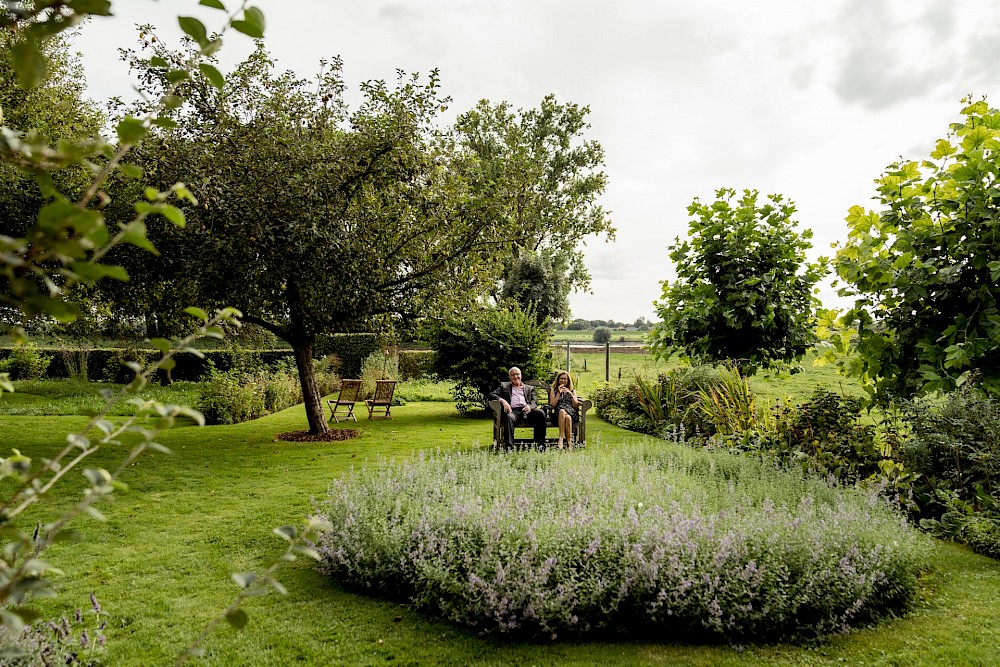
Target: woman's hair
x,y
569,381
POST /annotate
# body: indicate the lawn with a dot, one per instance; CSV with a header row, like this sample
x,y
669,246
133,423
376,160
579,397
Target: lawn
x,y
161,564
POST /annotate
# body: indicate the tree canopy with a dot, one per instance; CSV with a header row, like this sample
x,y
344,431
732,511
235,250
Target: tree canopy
x,y
538,283
313,218
744,291
924,269
545,177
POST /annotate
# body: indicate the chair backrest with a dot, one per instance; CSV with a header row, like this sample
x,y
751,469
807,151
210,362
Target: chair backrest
x,y
350,391
384,390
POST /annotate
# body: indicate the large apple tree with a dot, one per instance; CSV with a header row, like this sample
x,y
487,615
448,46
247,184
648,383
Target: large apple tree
x,y
311,217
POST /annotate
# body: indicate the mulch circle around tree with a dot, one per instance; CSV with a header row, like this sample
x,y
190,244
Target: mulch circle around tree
x,y
333,435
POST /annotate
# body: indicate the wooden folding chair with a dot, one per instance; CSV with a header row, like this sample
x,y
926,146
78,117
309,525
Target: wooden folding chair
x,y
384,389
350,393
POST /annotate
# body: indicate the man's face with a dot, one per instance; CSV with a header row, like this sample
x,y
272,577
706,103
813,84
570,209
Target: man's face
x,y
515,376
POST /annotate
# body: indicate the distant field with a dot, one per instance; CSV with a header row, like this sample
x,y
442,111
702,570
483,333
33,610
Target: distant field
x,y
562,335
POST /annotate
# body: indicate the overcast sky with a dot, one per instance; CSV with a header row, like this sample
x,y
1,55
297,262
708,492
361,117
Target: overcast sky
x,y
811,100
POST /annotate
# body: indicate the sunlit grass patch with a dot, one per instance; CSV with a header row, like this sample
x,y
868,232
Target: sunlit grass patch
x,y
644,539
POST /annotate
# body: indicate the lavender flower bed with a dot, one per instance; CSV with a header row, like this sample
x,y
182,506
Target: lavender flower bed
x,y
646,539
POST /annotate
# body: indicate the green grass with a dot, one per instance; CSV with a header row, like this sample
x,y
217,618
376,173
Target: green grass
x,y
70,397
161,564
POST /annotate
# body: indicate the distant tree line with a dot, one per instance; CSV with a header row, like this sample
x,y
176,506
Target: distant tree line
x,y
640,324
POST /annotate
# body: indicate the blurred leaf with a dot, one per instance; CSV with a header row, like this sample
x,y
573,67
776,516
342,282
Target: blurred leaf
x,y
194,28
237,618
29,63
213,75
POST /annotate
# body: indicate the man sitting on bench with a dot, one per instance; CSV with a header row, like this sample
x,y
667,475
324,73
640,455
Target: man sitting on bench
x,y
517,400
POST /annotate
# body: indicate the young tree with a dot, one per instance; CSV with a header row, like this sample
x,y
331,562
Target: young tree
x,y
314,219
478,347
545,180
744,291
924,270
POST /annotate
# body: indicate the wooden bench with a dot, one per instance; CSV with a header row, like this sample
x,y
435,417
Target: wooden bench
x,y
542,394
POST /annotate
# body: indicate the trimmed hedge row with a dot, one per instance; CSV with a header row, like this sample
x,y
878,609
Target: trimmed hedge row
x,y
107,364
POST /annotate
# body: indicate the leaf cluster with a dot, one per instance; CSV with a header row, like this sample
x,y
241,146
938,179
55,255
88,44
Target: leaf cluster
x,y
924,270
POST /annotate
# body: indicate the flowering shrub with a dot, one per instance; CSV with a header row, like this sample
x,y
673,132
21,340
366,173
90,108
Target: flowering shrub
x,y
662,539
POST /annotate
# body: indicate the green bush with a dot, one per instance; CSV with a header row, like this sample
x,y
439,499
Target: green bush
x,y
416,364
25,362
235,396
668,405
954,445
601,335
826,435
351,350
647,539
478,348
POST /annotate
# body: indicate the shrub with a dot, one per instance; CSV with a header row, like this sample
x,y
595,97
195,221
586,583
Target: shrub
x,y
954,445
235,396
668,405
378,366
351,349
639,540
26,362
416,364
478,348
732,407
602,335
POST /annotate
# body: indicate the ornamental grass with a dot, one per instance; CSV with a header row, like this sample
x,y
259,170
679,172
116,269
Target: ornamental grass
x,y
650,540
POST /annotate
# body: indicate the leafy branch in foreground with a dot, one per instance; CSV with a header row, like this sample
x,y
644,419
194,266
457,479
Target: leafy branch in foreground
x,y
22,572
68,239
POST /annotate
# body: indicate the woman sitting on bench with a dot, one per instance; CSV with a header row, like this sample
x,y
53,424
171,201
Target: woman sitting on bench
x,y
564,400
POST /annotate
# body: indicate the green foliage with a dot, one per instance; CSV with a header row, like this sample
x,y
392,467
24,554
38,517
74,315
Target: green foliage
x,y
244,393
26,362
380,365
601,335
732,407
744,291
537,282
416,364
925,270
540,180
826,435
477,349
670,407
351,350
954,444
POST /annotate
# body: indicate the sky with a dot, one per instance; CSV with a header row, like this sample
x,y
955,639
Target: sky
x,y
809,100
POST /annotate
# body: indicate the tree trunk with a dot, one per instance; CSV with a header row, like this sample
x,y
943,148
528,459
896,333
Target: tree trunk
x,y
303,349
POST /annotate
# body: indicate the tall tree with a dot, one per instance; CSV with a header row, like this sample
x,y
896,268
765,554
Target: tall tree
x,y
924,270
312,218
546,178
744,291
538,283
